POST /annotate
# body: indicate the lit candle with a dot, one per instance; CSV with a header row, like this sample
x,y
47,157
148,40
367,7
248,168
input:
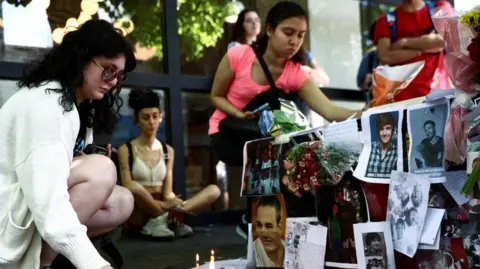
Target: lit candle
x,y
197,259
212,260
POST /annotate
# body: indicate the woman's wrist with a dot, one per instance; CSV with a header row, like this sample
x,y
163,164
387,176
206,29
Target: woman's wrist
x,y
237,113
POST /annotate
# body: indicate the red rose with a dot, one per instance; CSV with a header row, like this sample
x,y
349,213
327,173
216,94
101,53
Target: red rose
x,y
474,49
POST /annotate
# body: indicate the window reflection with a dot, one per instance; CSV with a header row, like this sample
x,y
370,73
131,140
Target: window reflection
x,y
199,159
7,89
49,20
126,129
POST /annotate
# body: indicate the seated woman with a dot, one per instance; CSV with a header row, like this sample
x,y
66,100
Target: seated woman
x,y
148,173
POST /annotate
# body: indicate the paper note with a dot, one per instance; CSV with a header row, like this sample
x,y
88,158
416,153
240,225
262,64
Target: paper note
x,y
431,226
344,134
454,183
436,244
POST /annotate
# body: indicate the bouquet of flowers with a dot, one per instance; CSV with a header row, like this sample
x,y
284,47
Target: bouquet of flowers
x,y
313,164
460,32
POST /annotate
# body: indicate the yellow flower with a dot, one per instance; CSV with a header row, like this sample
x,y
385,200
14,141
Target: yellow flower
x,y
471,18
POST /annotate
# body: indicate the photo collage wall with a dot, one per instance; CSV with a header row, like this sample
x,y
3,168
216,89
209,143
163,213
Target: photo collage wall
x,y
402,149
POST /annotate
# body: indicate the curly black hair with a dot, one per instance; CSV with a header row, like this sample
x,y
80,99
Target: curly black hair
x,y
139,99
65,64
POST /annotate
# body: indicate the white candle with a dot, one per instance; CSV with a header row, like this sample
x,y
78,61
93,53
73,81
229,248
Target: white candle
x,y
197,259
212,260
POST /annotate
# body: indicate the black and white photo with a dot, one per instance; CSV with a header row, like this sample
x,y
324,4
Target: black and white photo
x,y
472,248
406,210
382,152
374,245
426,128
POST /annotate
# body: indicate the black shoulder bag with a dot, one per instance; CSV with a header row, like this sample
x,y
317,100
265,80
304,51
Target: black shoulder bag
x,y
246,129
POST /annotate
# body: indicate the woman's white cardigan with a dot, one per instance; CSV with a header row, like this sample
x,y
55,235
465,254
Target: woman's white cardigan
x,y
37,138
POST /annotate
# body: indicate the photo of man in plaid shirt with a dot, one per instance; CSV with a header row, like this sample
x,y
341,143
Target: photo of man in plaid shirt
x,y
383,155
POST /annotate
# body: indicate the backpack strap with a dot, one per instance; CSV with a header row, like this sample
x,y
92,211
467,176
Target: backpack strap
x,y
165,152
267,73
431,8
130,154
391,18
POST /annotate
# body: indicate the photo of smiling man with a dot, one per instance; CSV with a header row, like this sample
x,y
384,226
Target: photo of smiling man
x,y
269,220
384,150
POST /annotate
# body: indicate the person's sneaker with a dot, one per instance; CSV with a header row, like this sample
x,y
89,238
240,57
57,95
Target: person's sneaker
x,y
242,228
182,231
158,228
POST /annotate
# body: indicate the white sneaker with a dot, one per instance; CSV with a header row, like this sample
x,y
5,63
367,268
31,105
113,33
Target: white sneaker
x,y
158,228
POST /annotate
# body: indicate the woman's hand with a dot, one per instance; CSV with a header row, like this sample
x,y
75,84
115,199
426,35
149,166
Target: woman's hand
x,y
247,115
109,150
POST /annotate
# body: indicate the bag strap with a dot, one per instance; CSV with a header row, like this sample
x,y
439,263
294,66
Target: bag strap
x,y
165,152
391,18
267,73
130,154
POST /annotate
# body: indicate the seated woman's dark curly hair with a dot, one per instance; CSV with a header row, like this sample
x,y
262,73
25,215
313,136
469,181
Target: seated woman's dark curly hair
x,y
139,99
65,63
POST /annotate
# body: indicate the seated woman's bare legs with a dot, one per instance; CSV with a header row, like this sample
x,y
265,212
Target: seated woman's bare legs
x,y
201,200
100,205
144,200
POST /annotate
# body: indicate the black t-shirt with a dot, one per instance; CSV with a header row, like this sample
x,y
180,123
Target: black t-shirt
x,y
432,153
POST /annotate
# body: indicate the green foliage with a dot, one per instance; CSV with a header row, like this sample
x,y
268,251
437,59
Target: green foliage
x,y
200,23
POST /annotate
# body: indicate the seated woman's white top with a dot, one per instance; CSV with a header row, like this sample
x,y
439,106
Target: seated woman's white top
x,y
36,151
148,175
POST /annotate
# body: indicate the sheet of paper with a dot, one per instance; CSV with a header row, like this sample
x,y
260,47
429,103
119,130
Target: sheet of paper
x,y
407,210
226,264
344,134
374,246
433,219
311,256
435,245
382,151
250,251
454,183
317,234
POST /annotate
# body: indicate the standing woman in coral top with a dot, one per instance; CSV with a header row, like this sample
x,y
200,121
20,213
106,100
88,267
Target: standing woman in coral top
x,y
240,78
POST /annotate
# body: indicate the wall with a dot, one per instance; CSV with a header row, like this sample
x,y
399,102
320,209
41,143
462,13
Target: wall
x,y
335,39
466,4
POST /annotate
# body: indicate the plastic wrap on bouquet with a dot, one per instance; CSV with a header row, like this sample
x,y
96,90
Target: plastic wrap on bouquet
x,y
313,164
462,70
286,120
456,136
389,81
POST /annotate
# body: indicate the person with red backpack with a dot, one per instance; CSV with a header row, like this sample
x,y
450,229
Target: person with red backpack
x,y
406,35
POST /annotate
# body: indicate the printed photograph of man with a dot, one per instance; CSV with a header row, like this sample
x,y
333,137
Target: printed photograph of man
x,y
430,151
269,220
426,128
383,155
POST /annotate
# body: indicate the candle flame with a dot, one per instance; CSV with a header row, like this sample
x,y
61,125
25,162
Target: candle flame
x,y
197,257
212,252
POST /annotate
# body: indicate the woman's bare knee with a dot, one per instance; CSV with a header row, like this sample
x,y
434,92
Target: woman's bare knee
x,y
124,199
98,170
213,192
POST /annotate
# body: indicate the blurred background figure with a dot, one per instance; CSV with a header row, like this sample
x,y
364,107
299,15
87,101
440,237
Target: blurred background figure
x,y
246,29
